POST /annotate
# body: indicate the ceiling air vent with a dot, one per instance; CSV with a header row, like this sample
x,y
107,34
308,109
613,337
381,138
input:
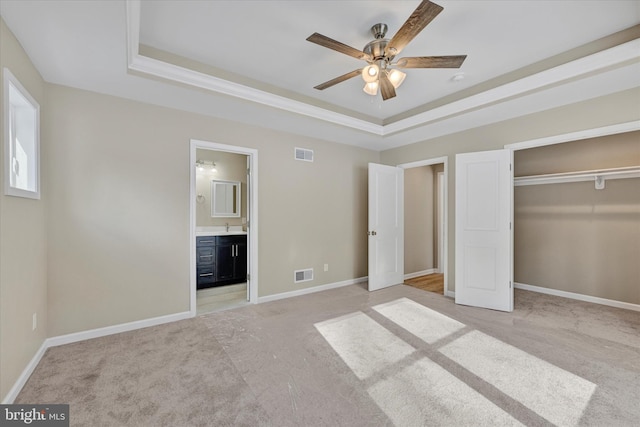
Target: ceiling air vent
x,y
303,275
304,154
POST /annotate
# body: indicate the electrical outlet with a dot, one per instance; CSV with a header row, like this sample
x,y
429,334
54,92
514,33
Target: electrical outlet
x,y
326,267
35,322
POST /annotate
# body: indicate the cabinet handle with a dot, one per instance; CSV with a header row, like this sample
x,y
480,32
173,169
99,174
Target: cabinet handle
x,y
206,256
206,274
206,241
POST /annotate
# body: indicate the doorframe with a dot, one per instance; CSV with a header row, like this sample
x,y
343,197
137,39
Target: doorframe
x,y
440,218
252,234
445,256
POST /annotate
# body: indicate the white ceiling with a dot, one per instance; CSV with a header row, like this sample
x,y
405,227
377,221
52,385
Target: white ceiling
x,y
266,69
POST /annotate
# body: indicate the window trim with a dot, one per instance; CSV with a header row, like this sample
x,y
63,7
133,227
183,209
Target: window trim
x,y
10,80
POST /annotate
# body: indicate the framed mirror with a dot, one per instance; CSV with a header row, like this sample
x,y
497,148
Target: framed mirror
x,y
225,199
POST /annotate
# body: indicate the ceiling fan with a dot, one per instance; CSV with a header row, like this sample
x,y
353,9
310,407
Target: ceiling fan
x,y
381,72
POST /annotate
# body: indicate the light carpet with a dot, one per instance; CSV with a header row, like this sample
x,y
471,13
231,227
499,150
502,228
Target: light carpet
x,y
346,357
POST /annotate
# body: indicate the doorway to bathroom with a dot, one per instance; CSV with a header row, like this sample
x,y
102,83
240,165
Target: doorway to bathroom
x,y
223,226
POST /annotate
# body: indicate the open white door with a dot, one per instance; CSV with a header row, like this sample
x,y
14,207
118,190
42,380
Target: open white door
x,y
484,194
248,225
386,226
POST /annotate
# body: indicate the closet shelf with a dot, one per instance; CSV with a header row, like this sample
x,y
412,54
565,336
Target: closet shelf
x,y
598,176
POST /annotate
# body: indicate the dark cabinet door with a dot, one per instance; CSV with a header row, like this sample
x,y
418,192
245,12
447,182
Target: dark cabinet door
x,y
241,260
225,260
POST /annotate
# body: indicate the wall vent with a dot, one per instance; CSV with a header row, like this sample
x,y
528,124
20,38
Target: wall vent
x,y
303,275
304,154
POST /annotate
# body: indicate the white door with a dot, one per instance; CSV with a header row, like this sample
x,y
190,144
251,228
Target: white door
x,y
386,226
484,195
248,223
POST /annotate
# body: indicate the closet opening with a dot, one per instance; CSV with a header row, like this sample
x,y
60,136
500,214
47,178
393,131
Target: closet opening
x,y
576,222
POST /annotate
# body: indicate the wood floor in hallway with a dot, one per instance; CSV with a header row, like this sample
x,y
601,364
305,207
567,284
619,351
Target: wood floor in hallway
x,y
430,282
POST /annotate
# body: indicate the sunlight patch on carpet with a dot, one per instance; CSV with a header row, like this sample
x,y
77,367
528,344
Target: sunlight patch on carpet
x,y
364,345
555,394
426,394
426,324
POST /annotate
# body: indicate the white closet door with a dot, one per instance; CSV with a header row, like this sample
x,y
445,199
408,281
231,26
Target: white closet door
x,y
484,194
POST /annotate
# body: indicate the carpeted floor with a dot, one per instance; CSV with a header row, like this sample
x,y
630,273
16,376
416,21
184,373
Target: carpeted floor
x,y
347,357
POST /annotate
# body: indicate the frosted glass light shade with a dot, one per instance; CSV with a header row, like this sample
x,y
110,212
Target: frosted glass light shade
x,y
371,88
396,77
370,73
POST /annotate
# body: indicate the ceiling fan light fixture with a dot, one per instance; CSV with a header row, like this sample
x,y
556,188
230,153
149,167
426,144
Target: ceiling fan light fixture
x,y
370,73
371,88
396,77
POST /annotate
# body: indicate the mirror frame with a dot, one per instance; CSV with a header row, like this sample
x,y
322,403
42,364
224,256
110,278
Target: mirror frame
x,y
237,186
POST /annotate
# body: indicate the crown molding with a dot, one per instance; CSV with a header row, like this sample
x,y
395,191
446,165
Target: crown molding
x,y
557,75
598,62
576,136
154,67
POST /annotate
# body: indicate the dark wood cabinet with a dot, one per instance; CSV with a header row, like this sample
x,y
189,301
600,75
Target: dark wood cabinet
x,y
221,260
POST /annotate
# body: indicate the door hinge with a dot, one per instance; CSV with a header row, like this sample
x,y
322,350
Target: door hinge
x,y
248,277
248,171
509,284
510,226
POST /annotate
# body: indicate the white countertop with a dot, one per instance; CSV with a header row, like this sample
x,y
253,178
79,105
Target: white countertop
x,y
220,233
220,230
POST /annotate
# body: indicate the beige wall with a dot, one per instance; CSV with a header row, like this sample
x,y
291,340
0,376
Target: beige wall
x,y
23,246
418,219
438,168
571,236
229,167
119,208
603,111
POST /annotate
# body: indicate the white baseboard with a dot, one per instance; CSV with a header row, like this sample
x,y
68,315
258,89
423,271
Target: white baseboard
x,y
85,335
312,290
580,297
24,376
450,294
125,327
421,273
116,329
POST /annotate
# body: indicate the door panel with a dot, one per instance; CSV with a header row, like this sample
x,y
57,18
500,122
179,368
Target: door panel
x,y
386,226
483,230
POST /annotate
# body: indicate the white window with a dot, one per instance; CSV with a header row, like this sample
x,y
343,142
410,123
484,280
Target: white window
x,y
21,140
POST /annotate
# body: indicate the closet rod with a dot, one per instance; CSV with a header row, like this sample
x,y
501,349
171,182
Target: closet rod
x,y
598,176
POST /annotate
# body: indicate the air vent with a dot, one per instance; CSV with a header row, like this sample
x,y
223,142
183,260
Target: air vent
x,y
304,154
303,275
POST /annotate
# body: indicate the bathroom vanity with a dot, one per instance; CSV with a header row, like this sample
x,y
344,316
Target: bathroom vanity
x,y
221,259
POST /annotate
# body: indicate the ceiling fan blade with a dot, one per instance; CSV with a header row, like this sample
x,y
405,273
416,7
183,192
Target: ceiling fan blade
x,y
337,46
337,80
419,19
432,61
386,88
